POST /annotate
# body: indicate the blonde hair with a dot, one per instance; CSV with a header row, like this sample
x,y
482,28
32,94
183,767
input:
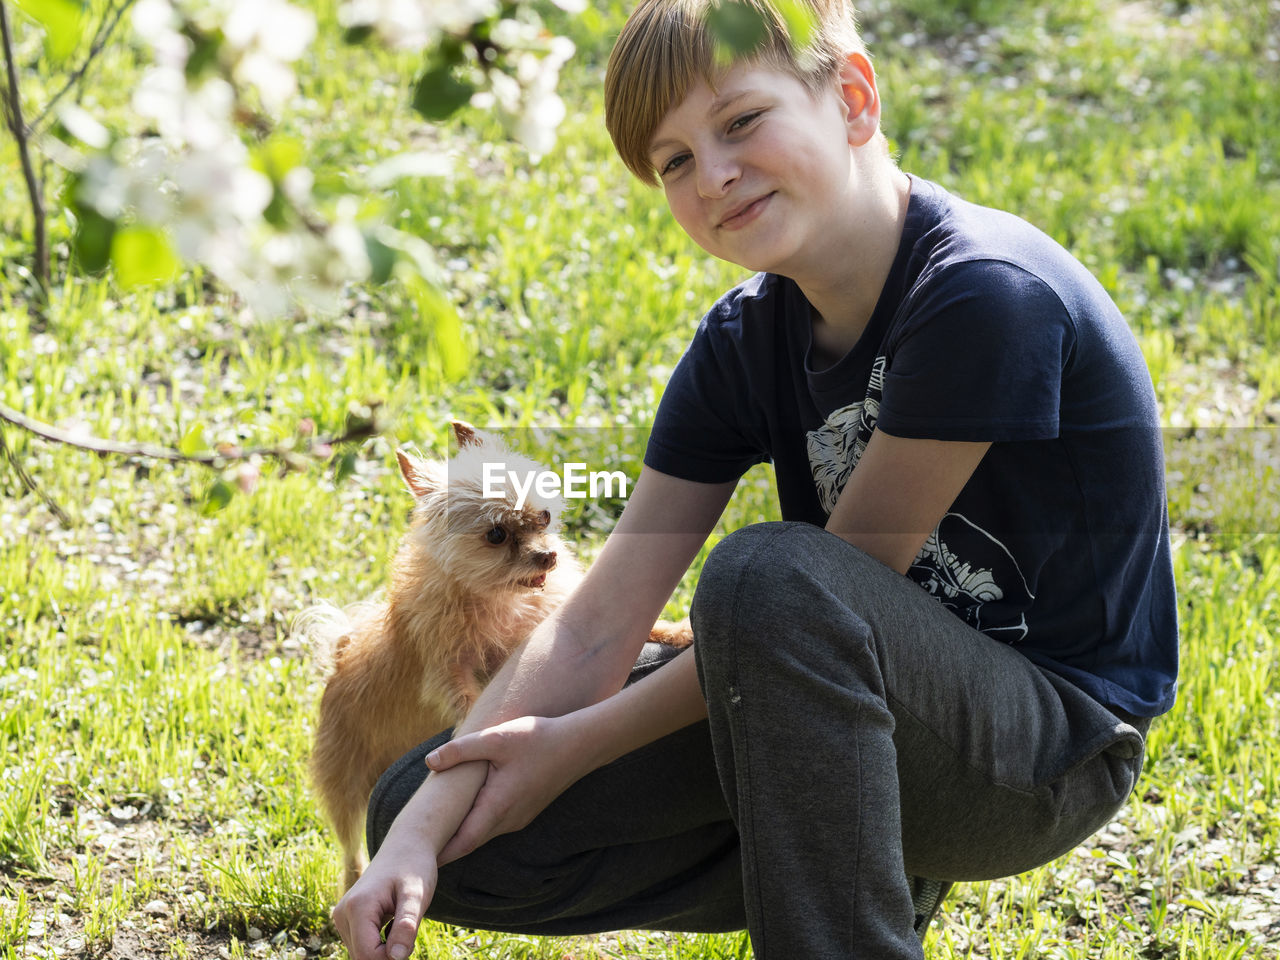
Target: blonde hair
x,y
665,48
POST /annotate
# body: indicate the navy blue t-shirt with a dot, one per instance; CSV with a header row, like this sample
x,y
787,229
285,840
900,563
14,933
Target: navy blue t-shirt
x,y
986,330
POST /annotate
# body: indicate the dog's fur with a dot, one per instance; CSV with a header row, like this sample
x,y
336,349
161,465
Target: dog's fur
x,y
457,606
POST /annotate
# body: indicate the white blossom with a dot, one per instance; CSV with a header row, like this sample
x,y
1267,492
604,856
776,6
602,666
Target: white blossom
x,y
528,104
415,24
191,173
264,37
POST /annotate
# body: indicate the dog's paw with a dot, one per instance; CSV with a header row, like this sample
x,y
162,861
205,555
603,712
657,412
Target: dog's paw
x,y
672,634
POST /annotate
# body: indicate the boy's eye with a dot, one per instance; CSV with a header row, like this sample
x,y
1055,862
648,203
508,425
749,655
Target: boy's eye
x,y
673,164
744,121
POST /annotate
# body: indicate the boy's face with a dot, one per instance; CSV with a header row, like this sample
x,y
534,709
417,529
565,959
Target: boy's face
x,y
757,171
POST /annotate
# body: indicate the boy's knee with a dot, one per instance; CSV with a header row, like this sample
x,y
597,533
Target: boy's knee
x,y
764,563
791,592
736,571
756,584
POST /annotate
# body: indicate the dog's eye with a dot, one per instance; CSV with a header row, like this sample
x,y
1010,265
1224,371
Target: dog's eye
x,y
496,536
544,518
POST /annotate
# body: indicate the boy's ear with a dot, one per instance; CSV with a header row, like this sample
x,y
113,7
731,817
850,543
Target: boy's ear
x,y
861,98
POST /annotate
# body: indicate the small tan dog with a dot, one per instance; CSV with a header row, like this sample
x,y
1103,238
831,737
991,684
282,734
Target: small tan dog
x,y
471,579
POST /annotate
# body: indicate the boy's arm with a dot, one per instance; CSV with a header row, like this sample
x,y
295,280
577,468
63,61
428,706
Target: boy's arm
x,y
578,657
899,492
532,760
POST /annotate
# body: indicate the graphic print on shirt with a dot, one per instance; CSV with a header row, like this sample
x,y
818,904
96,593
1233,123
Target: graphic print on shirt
x,y
836,447
987,574
964,567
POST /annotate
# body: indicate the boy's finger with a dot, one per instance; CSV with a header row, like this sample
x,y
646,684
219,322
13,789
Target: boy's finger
x,y
360,928
446,755
465,749
363,936
404,930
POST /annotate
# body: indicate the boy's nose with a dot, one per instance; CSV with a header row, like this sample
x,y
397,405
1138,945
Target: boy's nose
x,y
715,175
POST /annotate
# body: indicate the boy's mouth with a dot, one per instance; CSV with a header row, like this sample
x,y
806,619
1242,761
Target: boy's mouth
x,y
744,213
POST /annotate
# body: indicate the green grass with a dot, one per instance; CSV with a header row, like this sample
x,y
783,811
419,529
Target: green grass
x,y
154,714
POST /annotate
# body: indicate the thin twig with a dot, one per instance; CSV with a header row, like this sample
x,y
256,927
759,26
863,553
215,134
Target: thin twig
x,y
29,482
105,29
361,428
28,171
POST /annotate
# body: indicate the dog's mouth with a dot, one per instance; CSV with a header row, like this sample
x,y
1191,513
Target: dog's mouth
x,y
539,581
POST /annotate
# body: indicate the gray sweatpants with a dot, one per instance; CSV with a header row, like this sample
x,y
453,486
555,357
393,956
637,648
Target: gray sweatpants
x,y
857,733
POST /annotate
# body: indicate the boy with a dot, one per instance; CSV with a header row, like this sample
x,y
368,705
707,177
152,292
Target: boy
x,y
941,664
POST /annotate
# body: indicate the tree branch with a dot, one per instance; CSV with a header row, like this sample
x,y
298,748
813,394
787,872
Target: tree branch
x,y
14,115
358,428
105,29
29,482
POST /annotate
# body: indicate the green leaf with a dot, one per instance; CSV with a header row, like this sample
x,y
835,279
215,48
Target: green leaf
x,y
63,22
737,29
382,258
277,156
193,441
447,341
438,94
346,467
142,255
203,57
217,497
800,21
93,237
276,211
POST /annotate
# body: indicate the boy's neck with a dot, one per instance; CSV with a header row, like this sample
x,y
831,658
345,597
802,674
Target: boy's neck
x,y
844,293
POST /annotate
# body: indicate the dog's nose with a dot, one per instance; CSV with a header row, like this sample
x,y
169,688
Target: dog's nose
x,y
545,559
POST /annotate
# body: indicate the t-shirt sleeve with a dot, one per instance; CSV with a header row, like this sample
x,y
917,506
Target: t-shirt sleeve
x,y
979,355
699,432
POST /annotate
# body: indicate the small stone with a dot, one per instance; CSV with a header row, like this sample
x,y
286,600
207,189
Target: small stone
x,y
254,933
156,908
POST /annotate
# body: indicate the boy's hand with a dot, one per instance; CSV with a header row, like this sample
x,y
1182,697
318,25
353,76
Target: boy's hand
x,y
532,760
397,886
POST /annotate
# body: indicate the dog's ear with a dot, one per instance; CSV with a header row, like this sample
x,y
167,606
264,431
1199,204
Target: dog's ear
x,y
467,434
417,474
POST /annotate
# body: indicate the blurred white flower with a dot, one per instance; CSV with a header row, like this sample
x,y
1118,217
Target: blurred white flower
x,y
514,34
457,16
81,125
536,125
277,29
191,172
157,23
400,24
413,164
200,118
275,81
414,24
264,37
528,104
297,184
